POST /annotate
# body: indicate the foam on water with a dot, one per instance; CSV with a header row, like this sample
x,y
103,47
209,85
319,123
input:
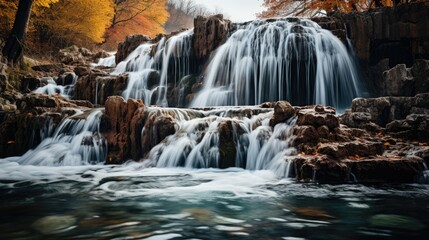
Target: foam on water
x,y
77,141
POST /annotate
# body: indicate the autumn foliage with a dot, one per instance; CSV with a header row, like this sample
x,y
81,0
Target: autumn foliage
x,y
276,8
59,23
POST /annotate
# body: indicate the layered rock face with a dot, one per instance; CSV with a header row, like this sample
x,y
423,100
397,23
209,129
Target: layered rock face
x,y
383,38
209,34
27,118
130,44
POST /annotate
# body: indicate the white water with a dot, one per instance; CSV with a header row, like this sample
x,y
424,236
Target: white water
x,y
52,88
294,60
196,143
76,142
106,62
169,64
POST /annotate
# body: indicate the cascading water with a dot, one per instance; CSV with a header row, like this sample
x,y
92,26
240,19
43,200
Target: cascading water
x,y
284,59
197,142
52,87
77,141
149,75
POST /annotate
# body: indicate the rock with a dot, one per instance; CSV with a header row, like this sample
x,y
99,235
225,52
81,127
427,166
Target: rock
x,y
209,34
310,117
415,127
130,44
391,221
227,145
97,87
120,127
386,170
75,55
283,111
397,35
54,224
420,72
397,81
52,68
355,148
29,84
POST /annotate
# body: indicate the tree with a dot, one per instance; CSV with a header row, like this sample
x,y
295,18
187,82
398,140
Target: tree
x,y
15,42
182,14
314,7
136,16
81,22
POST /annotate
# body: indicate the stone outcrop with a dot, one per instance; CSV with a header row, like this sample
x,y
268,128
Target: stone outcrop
x,y
384,110
331,152
23,118
209,33
130,44
383,38
403,81
97,86
122,129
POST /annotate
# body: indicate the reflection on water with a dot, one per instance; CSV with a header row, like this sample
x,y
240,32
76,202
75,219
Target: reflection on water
x,y
132,202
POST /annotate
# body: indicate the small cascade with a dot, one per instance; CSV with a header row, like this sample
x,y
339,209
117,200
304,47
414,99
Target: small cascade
x,y
151,71
76,141
222,138
285,59
62,88
106,62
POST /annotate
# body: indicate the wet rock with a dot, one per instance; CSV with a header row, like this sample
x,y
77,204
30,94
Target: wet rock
x,y
310,117
283,111
386,170
120,127
209,34
227,145
391,221
355,148
29,84
97,87
306,135
54,224
130,44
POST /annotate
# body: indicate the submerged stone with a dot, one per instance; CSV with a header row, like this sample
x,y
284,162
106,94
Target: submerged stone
x,y
392,221
54,224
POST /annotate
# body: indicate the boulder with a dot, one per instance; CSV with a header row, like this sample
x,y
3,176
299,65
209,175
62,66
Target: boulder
x,y
397,81
311,117
283,111
130,44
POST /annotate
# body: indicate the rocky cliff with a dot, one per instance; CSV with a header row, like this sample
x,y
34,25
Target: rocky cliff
x,y
391,44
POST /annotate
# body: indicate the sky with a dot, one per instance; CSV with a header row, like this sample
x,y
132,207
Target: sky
x,y
236,10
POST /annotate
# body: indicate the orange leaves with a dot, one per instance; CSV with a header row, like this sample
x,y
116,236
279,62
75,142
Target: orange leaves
x,y
136,17
312,7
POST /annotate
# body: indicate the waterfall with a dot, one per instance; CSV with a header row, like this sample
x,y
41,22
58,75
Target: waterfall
x,y
284,59
199,141
151,71
77,141
106,62
52,87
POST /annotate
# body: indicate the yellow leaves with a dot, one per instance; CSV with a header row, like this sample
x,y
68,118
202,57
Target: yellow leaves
x,y
79,21
44,3
137,17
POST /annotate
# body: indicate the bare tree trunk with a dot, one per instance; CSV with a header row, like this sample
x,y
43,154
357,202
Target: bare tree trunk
x,y
14,44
